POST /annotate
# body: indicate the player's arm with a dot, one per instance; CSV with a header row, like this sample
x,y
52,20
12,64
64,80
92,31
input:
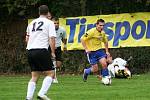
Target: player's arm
x,y
83,38
27,35
65,44
106,48
86,37
84,45
52,45
52,36
64,40
105,40
27,38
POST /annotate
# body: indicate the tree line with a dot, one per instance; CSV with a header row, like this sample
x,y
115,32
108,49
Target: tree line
x,y
14,15
23,9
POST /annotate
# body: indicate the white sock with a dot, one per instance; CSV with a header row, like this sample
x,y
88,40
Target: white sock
x,y
55,73
54,63
45,86
31,89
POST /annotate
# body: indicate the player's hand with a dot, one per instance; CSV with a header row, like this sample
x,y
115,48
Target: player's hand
x,y
108,54
53,56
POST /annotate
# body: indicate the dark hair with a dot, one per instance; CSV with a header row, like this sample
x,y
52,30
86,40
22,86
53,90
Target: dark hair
x,y
55,18
100,20
43,10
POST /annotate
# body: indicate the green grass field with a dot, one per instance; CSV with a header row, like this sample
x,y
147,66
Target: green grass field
x,y
73,88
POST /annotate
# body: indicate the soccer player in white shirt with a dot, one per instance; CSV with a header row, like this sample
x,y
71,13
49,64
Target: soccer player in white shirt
x,y
61,37
118,68
40,34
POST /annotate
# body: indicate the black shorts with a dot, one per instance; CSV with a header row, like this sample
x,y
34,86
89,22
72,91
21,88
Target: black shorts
x,y
40,60
58,53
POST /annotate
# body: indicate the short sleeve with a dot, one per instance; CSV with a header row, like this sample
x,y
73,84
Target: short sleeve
x,y
87,35
52,32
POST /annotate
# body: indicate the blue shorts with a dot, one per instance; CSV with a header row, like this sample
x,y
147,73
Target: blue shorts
x,y
95,56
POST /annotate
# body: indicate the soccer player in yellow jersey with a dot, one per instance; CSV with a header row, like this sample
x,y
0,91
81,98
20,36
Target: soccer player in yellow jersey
x,y
92,42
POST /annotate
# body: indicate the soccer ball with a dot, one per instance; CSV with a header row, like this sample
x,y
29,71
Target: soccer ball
x,y
106,81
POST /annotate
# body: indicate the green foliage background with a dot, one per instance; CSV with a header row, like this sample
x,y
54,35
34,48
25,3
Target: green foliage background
x,y
14,15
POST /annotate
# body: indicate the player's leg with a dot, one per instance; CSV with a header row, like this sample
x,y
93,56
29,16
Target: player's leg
x,y
110,66
111,70
55,64
48,68
94,67
104,71
32,85
101,57
33,62
122,73
46,85
58,54
54,77
58,65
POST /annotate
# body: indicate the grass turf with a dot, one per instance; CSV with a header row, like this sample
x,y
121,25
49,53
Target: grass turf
x,y
73,88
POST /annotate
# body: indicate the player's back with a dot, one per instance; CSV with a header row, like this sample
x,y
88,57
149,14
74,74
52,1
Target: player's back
x,y
120,62
39,30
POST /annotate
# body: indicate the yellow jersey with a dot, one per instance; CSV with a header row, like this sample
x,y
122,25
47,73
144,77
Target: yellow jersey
x,y
93,39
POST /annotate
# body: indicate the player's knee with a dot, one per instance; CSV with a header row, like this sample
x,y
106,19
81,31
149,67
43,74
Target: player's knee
x,y
34,79
59,63
50,73
95,68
